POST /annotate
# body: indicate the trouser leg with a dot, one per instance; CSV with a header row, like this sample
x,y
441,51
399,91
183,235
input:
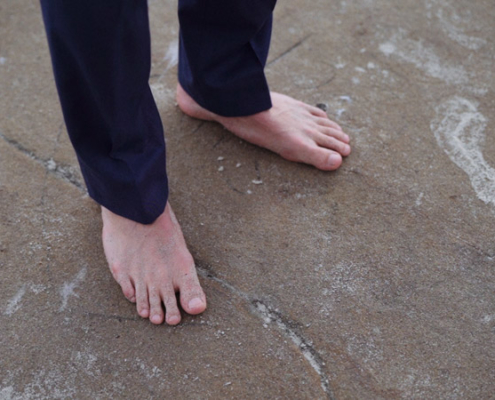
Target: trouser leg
x,y
223,50
101,60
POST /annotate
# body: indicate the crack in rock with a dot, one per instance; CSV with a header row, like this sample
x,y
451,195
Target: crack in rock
x,y
288,327
308,351
291,48
65,172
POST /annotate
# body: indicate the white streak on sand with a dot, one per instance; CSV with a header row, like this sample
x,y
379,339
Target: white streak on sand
x,y
423,58
387,48
419,200
346,98
456,34
460,130
172,55
162,94
68,289
37,289
15,302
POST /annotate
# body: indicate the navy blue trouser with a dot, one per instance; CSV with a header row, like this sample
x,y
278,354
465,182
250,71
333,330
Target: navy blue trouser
x,y
101,60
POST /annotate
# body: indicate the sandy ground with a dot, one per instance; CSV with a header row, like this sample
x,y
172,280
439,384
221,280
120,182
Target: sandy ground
x,y
373,282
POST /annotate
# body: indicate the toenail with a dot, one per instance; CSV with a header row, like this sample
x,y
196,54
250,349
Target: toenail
x,y
174,320
334,159
195,303
155,318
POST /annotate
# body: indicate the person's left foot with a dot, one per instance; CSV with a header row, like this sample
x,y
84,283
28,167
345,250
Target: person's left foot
x,y
295,130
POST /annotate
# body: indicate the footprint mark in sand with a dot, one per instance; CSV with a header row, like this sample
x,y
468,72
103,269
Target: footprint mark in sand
x,y
460,130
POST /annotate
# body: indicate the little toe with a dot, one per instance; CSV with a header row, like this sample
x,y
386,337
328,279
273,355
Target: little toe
x,y
333,144
156,311
317,112
142,304
172,313
128,289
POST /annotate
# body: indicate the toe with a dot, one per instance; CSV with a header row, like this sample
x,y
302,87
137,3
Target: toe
x,y
156,311
328,123
317,112
336,133
325,159
142,304
192,297
172,313
128,289
334,161
334,144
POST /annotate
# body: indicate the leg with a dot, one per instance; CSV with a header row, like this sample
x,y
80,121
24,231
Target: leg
x,y
223,52
101,59
222,80
108,107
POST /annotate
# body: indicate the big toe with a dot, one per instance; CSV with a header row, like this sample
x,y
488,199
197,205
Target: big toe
x,y
192,297
332,162
322,158
196,305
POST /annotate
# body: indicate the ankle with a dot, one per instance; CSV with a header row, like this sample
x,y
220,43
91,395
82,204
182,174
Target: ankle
x,y
190,107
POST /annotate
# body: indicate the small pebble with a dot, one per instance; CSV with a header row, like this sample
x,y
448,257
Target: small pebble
x,y
220,168
257,182
238,165
220,158
322,106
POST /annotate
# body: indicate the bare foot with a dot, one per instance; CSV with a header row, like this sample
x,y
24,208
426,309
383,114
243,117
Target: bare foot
x,y
151,263
295,130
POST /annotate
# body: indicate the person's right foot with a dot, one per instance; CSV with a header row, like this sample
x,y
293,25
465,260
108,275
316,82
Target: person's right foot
x,y
151,263
295,130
